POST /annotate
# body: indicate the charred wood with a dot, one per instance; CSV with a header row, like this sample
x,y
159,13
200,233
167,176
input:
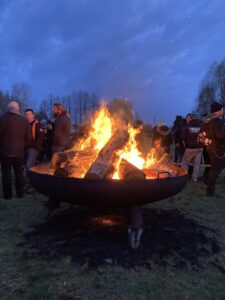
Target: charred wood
x,y
104,165
128,171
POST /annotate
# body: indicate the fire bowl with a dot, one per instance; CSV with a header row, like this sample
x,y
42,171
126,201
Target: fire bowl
x,y
105,193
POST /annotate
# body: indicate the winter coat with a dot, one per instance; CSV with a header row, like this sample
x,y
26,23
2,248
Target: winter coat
x,y
61,132
214,127
190,134
14,134
36,133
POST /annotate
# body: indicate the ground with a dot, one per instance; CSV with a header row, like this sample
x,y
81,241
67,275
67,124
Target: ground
x,y
83,255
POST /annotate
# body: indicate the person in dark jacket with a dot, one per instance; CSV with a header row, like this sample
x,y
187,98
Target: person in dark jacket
x,y
13,136
61,135
178,126
193,148
62,126
216,148
35,145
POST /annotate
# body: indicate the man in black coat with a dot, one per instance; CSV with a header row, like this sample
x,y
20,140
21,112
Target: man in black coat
x,y
61,135
13,136
178,126
62,126
215,149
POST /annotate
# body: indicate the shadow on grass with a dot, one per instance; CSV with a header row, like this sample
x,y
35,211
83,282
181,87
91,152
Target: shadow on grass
x,y
169,238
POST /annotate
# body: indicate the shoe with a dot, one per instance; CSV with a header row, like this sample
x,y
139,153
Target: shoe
x,y
214,194
194,181
209,192
30,190
7,197
49,215
19,196
134,237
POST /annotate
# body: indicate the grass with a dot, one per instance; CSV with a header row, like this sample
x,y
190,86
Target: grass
x,y
182,254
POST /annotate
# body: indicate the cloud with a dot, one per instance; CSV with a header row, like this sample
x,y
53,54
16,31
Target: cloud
x,y
152,52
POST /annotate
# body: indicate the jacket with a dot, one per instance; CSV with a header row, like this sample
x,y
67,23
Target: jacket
x,y
36,135
190,134
14,134
61,132
216,132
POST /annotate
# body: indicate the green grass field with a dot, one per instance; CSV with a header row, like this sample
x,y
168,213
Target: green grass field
x,y
182,255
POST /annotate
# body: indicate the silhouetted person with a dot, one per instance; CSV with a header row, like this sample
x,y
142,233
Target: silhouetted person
x,y
193,148
163,134
13,136
35,145
61,135
178,126
61,130
216,148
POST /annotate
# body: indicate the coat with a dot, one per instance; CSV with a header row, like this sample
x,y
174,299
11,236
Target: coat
x,y
14,134
61,132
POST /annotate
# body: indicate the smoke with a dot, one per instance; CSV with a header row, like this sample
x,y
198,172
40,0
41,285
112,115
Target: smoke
x,y
122,112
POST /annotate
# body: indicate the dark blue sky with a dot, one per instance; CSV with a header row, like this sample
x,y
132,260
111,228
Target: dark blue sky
x,y
154,52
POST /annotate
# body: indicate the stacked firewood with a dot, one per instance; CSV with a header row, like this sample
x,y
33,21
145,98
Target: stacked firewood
x,y
89,164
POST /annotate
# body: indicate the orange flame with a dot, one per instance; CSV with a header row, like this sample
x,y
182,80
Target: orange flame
x,y
102,128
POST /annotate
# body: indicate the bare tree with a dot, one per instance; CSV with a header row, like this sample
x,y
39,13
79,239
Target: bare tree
x,y
4,100
212,88
21,92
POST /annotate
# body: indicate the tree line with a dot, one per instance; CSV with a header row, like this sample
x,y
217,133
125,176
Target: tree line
x,y
212,88
80,104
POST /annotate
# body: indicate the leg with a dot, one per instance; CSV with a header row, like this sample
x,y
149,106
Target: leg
x,y
176,154
135,223
53,203
19,180
197,162
216,168
6,166
206,161
32,155
188,155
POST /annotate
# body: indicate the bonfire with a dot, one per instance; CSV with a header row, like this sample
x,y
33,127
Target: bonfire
x,y
110,151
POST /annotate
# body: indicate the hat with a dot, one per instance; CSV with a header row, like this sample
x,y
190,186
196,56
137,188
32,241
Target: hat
x,y
215,106
14,107
163,129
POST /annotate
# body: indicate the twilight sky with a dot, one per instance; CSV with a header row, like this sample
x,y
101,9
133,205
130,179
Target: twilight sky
x,y
153,52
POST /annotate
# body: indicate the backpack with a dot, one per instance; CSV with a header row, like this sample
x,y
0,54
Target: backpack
x,y
205,134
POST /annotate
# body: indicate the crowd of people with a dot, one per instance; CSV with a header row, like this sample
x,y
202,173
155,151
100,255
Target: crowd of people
x,y
24,141
196,141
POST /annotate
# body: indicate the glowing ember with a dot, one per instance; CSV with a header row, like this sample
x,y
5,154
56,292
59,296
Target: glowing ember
x,y
107,220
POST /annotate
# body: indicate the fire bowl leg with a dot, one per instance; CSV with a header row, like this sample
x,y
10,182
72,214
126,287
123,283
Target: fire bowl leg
x,y
135,226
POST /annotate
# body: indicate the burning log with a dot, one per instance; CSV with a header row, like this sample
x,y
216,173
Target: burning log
x,y
104,165
59,157
128,171
161,168
75,163
166,159
61,172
